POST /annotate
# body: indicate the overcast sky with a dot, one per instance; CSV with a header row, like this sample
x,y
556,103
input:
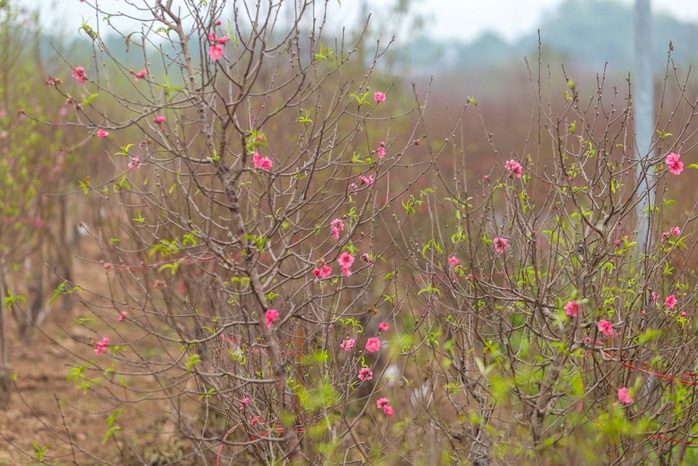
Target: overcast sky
x,y
454,19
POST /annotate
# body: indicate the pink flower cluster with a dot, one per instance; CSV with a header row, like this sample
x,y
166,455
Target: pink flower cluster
x,y
102,346
674,163
367,180
624,396
271,316
135,162
605,327
264,163
244,402
215,51
675,231
345,261
572,308
337,226
347,344
500,244
160,119
323,272
514,168
365,374
383,327
366,258
453,261
79,74
381,150
379,97
384,404
140,75
102,133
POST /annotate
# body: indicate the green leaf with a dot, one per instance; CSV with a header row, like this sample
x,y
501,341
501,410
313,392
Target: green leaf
x,y
193,360
89,99
429,289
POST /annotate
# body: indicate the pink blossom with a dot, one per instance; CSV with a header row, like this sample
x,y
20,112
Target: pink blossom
x,y
244,402
453,260
102,133
373,344
670,301
365,374
674,163
141,74
218,22
212,37
383,327
683,314
500,244
572,308
347,345
337,226
264,163
366,180
384,404
135,162
122,316
323,272
108,266
272,315
79,74
379,97
223,40
345,259
623,395
605,327
381,150
366,258
215,51
676,231
654,297
160,119
102,346
514,168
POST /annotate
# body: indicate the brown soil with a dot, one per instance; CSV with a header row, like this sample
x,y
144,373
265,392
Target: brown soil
x,y
47,409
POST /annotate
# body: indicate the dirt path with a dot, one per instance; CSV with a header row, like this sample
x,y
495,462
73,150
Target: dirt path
x,y
47,408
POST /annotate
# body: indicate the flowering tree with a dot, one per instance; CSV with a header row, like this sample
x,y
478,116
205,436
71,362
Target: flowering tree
x,y
33,166
299,271
250,182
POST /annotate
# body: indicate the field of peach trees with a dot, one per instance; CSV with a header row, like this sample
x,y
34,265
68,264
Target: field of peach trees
x,y
256,242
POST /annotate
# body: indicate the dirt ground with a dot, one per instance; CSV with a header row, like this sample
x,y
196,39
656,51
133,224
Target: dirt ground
x,y
46,409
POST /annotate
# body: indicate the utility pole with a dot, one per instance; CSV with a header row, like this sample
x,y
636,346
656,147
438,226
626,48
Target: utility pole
x,y
643,105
